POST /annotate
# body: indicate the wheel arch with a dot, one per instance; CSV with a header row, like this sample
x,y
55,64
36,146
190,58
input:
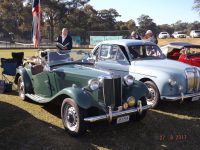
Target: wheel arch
x,y
82,98
148,79
27,81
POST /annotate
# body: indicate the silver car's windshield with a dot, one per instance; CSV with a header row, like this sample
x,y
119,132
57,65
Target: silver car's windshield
x,y
146,51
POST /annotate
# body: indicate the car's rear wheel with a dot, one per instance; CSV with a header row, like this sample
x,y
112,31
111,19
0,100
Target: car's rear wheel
x,y
73,117
154,95
21,88
139,116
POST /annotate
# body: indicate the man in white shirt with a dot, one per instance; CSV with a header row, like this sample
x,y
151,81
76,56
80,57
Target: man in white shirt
x,y
65,39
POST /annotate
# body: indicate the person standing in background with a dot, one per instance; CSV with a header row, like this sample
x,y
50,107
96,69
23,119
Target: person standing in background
x,y
65,39
150,37
135,36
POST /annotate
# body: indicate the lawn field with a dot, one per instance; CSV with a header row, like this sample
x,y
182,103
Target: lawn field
x,y
27,125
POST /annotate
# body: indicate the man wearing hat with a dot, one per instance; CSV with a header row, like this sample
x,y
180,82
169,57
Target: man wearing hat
x,y
150,37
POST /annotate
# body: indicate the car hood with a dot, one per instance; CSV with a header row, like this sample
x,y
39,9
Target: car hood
x,y
89,71
161,65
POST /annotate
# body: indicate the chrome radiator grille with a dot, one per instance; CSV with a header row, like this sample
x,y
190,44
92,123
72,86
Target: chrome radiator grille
x,y
112,92
193,80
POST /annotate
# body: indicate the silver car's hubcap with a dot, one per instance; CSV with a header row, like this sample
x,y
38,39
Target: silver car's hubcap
x,y
72,118
151,100
21,89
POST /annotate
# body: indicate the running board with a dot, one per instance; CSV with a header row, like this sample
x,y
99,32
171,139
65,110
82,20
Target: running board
x,y
38,98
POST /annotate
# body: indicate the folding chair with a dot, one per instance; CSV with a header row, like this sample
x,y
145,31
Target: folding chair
x,y
8,70
18,57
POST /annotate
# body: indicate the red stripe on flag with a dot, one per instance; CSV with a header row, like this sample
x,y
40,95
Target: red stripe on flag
x,y
36,25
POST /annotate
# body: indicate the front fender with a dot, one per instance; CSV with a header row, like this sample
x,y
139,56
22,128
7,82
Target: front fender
x,y
138,90
26,78
83,98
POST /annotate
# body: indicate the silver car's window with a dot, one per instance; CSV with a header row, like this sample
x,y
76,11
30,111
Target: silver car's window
x,y
146,51
105,52
111,52
120,55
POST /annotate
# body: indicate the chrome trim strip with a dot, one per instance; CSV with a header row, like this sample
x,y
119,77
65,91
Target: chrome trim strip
x,y
175,98
115,114
198,79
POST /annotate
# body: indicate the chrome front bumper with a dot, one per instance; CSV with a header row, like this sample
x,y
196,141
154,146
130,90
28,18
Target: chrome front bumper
x,y
114,114
181,97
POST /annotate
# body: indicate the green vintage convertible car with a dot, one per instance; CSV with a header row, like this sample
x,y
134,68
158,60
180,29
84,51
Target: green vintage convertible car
x,y
85,93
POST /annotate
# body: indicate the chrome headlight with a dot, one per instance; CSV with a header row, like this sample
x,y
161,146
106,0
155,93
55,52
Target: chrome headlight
x,y
172,82
93,84
129,79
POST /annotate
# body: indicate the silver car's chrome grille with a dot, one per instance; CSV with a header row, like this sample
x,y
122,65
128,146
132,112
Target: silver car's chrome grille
x,y
193,80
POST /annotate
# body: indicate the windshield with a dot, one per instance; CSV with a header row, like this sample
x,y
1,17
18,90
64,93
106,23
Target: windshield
x,y
191,50
59,57
146,51
180,32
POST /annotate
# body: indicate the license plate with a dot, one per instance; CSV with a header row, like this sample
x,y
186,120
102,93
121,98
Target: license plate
x,y
196,98
123,119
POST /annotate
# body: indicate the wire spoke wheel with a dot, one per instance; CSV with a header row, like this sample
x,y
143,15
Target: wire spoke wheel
x,y
153,97
72,118
21,89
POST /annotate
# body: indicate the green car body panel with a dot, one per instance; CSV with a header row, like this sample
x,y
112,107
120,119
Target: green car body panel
x,y
70,80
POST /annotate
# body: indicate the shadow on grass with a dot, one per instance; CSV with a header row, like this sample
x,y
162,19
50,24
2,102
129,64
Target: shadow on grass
x,y
20,130
13,92
156,131
187,108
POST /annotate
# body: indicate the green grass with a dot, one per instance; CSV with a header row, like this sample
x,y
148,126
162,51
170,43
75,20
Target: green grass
x,y
27,52
28,125
24,124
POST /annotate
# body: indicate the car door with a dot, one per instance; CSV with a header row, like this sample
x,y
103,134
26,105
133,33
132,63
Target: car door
x,y
112,57
41,84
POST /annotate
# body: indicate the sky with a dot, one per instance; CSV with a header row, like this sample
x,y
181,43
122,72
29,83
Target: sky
x,y
161,11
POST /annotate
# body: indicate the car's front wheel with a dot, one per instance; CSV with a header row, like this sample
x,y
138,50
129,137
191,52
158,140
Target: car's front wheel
x,y
21,88
73,117
154,95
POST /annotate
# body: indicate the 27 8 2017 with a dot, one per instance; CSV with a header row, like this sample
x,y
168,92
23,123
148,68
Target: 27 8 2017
x,y
173,137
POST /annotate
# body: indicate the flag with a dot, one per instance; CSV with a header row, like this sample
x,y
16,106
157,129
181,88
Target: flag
x,y
36,22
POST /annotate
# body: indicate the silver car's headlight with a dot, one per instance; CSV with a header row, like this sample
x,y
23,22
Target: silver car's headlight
x,y
129,79
93,84
172,82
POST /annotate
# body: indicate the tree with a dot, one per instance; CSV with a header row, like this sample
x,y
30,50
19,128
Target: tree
x,y
10,15
197,5
146,23
52,13
108,18
57,12
26,22
166,28
180,26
